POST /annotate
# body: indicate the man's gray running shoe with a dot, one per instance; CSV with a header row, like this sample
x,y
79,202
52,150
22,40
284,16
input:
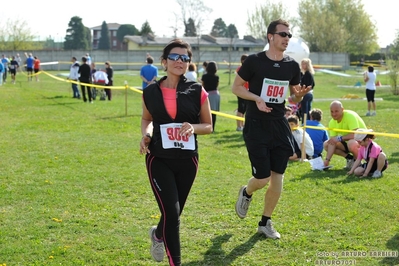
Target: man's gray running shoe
x,y
268,230
242,203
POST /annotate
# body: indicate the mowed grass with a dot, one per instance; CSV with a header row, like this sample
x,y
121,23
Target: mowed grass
x,y
74,189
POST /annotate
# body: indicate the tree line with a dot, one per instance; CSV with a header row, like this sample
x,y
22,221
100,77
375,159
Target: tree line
x,y
325,25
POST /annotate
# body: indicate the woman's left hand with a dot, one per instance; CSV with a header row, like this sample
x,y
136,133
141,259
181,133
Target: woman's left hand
x,y
186,129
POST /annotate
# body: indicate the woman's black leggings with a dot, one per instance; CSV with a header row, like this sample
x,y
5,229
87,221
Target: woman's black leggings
x,y
171,181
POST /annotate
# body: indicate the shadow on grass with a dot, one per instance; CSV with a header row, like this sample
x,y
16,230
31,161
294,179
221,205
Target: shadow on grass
x,y
55,97
65,104
392,245
215,255
394,158
318,175
231,140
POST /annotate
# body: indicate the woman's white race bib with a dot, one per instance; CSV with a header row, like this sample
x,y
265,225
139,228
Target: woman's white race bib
x,y
274,91
172,140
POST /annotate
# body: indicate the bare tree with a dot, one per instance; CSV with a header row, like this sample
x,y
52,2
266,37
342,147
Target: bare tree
x,y
16,35
198,12
263,15
194,9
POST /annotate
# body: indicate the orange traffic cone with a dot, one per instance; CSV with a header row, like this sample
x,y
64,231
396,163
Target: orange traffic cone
x,y
378,83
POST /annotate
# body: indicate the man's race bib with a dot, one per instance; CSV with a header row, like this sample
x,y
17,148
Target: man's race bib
x,y
274,91
171,138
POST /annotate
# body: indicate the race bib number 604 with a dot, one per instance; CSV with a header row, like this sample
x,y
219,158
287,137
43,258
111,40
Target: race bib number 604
x,y
171,138
274,91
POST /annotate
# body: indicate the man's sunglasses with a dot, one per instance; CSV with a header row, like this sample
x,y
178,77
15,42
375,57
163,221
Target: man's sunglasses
x,y
184,58
284,34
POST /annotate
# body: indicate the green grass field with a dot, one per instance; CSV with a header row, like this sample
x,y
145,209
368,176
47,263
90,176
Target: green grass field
x,y
74,189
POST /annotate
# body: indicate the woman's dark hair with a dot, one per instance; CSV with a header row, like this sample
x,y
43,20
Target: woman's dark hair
x,y
369,136
243,57
173,44
211,68
371,69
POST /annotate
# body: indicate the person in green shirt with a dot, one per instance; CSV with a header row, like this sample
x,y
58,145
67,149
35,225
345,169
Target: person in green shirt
x,y
342,143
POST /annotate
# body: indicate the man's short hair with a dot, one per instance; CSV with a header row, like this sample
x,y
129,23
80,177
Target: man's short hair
x,y
150,60
271,29
316,114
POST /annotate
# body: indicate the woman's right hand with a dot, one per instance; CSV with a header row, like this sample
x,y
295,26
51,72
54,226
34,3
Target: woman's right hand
x,y
145,141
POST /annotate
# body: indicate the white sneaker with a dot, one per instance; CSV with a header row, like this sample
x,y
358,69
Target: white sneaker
x,y
368,113
242,203
157,248
373,113
268,230
376,174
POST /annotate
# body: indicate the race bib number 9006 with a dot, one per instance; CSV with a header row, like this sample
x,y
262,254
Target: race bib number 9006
x,y
171,138
274,91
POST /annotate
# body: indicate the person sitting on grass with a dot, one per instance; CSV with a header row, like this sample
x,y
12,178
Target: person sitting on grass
x,y
297,132
288,111
318,136
342,145
371,152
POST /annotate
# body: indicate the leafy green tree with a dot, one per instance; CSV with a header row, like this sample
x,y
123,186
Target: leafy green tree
x,y
264,14
146,29
329,35
393,65
88,37
16,35
76,37
126,29
342,26
190,29
104,42
394,48
219,28
231,31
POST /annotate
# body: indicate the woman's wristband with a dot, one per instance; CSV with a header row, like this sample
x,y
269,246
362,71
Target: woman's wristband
x,y
339,138
148,135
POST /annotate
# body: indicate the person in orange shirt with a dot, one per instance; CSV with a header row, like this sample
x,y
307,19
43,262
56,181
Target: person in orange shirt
x,y
36,67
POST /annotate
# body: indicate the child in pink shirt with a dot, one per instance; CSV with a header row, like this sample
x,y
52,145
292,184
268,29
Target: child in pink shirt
x,y
371,152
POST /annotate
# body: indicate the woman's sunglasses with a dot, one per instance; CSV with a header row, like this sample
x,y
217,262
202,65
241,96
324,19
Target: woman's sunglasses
x,y
284,34
174,57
